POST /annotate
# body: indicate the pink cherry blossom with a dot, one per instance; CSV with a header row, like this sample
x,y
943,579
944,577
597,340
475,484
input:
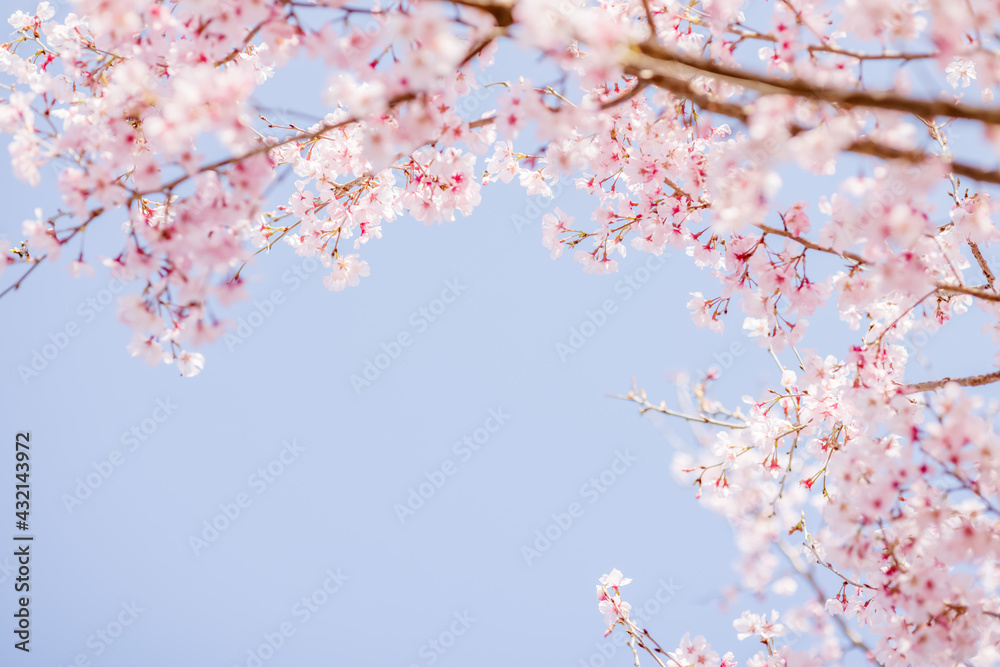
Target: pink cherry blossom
x,y
961,71
347,271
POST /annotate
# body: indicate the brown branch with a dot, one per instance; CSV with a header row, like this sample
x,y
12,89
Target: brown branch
x,y
982,264
482,122
972,381
655,58
20,280
682,88
977,292
649,20
809,244
875,149
624,97
504,14
860,55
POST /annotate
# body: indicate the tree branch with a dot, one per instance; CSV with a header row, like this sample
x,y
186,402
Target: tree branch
x,y
503,13
661,60
972,381
978,292
875,149
16,286
983,265
812,246
649,19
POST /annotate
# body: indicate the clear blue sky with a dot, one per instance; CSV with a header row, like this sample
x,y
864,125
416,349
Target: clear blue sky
x,y
454,572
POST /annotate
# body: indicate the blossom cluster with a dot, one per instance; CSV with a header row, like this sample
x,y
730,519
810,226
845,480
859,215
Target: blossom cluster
x,y
681,121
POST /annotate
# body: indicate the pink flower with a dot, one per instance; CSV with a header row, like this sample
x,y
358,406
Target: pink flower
x,y
534,183
503,164
347,270
612,606
961,70
614,580
148,348
78,268
750,624
614,609
190,363
702,313
134,312
592,264
553,226
42,240
697,652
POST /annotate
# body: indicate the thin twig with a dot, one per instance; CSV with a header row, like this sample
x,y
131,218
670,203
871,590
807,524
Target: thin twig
x,y
20,280
639,396
821,597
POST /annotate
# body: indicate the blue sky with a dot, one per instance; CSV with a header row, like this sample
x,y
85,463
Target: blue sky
x,y
491,351
318,558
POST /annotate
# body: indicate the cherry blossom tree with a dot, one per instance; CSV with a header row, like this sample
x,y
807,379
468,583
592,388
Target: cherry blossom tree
x,y
678,120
